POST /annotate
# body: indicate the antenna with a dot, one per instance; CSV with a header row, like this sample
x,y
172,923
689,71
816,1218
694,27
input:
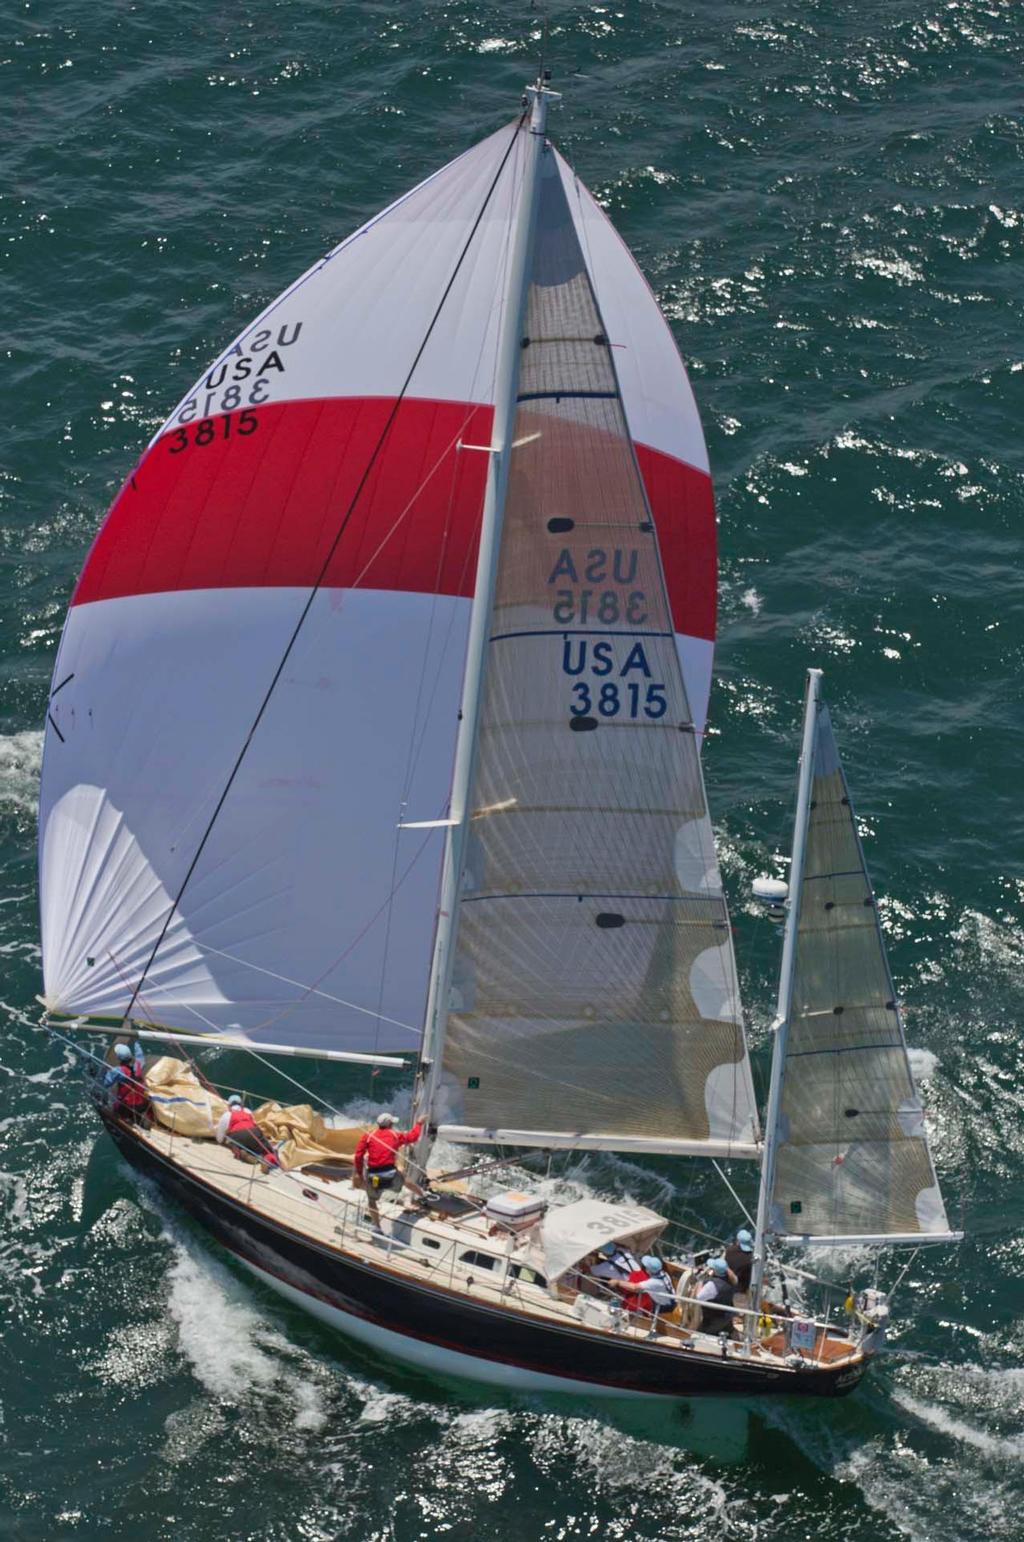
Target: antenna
x,y
543,73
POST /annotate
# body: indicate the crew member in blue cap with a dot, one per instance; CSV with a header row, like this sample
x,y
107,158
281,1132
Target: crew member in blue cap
x,y
635,1297
127,1082
614,1264
658,1284
739,1255
717,1293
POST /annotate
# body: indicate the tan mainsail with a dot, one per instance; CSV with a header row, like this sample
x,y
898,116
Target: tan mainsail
x,y
594,989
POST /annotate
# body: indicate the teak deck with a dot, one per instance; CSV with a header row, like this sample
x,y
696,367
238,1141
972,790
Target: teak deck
x,y
328,1211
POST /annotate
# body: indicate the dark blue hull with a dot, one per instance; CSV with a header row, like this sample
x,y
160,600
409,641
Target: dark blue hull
x,y
361,1297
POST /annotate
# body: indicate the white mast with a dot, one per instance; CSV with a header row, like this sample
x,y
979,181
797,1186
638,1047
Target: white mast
x,y
785,1003
506,387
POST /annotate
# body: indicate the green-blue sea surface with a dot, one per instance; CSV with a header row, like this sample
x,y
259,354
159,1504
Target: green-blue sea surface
x,y
828,199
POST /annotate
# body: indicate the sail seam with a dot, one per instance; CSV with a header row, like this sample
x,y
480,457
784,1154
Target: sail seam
x,y
847,872
846,1049
568,396
575,894
563,631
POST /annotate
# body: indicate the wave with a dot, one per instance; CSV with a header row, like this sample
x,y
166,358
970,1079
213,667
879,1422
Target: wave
x,y
21,756
999,1447
232,1349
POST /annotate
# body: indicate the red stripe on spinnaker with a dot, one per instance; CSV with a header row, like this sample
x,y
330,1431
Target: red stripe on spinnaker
x,y
683,504
257,504
261,507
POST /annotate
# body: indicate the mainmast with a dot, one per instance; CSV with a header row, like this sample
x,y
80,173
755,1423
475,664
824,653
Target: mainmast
x,y
500,450
785,1001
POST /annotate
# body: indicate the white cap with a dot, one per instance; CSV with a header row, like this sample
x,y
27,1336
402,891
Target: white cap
x,y
234,1101
122,1052
384,1118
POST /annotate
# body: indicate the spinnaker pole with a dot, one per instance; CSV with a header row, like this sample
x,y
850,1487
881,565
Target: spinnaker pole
x,y
784,1008
500,449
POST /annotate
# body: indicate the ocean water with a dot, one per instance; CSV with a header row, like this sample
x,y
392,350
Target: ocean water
x,y
828,199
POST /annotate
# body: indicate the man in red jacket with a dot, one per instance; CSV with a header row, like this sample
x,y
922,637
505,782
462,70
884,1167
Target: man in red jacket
x,y
375,1160
238,1129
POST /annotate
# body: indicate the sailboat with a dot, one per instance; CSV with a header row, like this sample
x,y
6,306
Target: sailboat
x,y
375,735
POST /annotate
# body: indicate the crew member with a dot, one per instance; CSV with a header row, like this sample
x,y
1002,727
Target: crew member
x,y
739,1255
238,1128
614,1265
659,1286
651,1289
375,1159
717,1293
127,1081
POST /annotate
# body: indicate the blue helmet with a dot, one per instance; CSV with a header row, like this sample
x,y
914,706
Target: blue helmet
x,y
651,1264
744,1240
719,1266
608,1249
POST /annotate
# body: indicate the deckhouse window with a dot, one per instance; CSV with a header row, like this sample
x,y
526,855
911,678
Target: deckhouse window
x,y
478,1260
526,1274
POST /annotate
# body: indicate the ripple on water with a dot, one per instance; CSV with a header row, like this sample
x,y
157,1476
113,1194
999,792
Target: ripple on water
x,y
828,201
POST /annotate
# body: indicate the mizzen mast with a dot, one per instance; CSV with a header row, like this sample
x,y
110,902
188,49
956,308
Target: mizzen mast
x,y
785,1001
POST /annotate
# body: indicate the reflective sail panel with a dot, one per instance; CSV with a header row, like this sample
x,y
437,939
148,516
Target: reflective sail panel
x,y
594,989
853,1158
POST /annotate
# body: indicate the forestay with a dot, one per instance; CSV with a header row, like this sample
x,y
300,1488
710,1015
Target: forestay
x,y
853,1160
309,915
594,997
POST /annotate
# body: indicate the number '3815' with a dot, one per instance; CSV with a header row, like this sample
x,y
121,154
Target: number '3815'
x,y
208,429
634,700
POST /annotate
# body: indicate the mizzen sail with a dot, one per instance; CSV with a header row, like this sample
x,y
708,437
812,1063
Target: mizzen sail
x,y
852,1161
594,997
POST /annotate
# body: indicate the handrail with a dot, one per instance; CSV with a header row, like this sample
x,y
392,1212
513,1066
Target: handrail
x,y
349,1217
673,1229
349,1220
734,1311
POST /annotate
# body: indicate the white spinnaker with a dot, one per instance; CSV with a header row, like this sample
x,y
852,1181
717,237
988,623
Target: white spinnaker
x,y
594,990
853,1157
364,308
309,917
295,883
